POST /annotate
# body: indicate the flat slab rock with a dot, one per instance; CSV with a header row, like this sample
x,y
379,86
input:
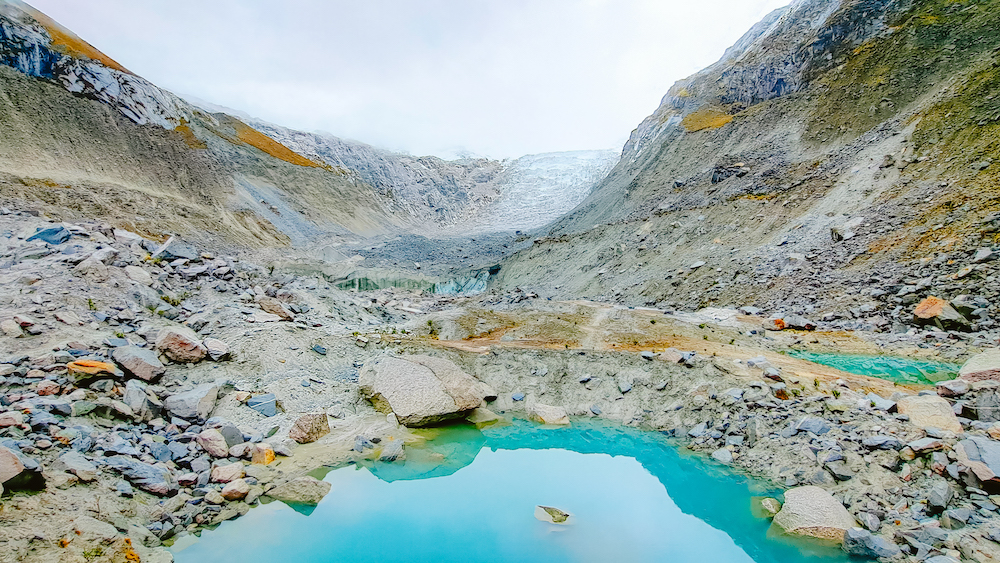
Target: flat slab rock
x,y
812,512
421,390
929,411
303,490
982,367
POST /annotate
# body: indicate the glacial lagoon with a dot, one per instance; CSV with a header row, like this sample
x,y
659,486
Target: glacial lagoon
x,y
467,495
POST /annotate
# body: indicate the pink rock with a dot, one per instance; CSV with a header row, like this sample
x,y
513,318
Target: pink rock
x,y
227,473
213,442
309,428
237,489
180,345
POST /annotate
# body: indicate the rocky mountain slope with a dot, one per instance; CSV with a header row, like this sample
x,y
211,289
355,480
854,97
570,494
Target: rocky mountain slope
x,y
837,155
86,137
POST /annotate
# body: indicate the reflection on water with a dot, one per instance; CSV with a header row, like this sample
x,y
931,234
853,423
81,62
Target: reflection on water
x,y
468,495
899,370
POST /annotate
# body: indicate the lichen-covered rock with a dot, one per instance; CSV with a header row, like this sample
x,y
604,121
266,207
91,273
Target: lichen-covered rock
x,y
929,411
180,344
811,511
309,428
420,390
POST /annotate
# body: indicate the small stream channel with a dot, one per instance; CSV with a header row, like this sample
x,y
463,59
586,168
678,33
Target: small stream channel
x,y
468,496
895,369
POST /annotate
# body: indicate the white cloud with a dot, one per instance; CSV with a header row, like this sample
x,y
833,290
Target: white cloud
x,y
498,77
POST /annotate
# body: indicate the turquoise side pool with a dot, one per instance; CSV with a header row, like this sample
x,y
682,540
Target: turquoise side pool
x,y
899,370
632,495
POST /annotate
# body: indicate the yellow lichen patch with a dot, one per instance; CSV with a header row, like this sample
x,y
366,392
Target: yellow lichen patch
x,y
705,118
256,139
67,42
189,137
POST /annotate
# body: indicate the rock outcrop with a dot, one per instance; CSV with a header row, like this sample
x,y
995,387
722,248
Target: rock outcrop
x,y
420,390
812,512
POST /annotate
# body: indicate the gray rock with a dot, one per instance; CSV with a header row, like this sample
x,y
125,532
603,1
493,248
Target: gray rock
x,y
723,455
840,470
939,496
392,451
881,442
813,424
698,431
953,388
987,406
870,521
150,478
197,403
877,402
138,362
266,405
861,542
74,462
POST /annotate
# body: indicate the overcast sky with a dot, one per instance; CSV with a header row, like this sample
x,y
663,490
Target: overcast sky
x,y
498,78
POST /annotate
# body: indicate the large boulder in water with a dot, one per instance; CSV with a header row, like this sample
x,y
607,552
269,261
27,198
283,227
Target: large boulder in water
x,y
420,390
303,490
812,512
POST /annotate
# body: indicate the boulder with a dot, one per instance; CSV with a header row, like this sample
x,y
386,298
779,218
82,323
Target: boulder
x,y
11,328
197,403
213,442
982,456
150,478
180,344
10,465
217,349
228,473
929,411
237,489
138,362
812,512
92,269
261,454
140,401
938,312
303,490
952,388
74,462
420,390
275,307
547,414
82,369
392,450
309,428
862,543
982,367
266,404
138,275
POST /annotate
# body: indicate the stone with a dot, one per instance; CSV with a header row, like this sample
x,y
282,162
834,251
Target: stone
x,y
228,473
197,403
217,349
10,465
85,368
180,344
74,462
261,454
302,490
924,445
420,390
986,407
870,521
723,455
982,456
765,507
840,470
939,496
812,512
139,400
275,307
813,424
46,388
982,367
309,428
138,275
11,418
150,478
881,442
929,410
551,515
877,402
392,450
92,529
548,414
11,328
214,497
952,388
862,543
92,269
213,442
482,417
237,489
266,404
938,312
56,234
138,362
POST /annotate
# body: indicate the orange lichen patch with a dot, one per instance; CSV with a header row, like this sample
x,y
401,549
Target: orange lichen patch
x,y
67,42
930,308
705,118
255,138
89,367
189,137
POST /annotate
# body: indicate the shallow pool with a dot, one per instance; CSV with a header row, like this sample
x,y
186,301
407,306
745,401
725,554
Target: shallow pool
x,y
899,370
631,495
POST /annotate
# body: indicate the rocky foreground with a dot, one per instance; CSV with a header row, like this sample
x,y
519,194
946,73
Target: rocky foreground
x,y
150,389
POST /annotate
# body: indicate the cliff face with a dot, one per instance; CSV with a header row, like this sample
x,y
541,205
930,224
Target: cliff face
x,y
874,117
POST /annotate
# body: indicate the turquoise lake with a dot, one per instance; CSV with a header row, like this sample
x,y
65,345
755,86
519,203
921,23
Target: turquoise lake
x,y
632,495
899,370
